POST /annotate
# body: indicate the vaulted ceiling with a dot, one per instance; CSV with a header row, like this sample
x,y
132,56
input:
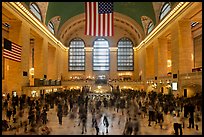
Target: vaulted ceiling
x,y
67,10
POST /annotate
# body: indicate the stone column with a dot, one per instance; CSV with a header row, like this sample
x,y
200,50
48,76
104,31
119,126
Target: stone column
x,y
150,61
185,47
141,59
88,62
182,47
162,56
25,56
41,57
136,72
65,65
52,58
113,63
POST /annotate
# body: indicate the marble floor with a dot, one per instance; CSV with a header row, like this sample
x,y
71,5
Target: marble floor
x,y
70,126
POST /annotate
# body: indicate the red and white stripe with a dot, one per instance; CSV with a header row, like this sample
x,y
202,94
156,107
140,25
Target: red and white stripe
x,y
97,24
14,54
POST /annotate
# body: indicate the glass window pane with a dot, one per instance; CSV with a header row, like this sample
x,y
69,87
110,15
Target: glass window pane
x,y
101,54
36,11
76,55
165,10
125,54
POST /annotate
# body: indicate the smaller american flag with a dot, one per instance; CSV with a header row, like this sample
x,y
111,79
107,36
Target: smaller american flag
x,y
12,51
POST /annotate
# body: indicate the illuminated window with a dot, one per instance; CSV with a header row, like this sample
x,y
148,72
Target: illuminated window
x,y
101,54
51,27
76,55
125,54
36,11
150,27
165,10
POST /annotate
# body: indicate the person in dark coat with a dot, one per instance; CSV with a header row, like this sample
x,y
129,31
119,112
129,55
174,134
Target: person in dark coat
x,y
106,123
14,111
59,113
9,113
84,121
160,118
70,103
5,104
191,118
151,114
96,126
31,117
8,96
44,116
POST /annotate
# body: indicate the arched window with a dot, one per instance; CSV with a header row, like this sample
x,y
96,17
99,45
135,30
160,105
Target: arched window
x,y
101,54
51,27
36,11
76,55
150,27
125,54
165,10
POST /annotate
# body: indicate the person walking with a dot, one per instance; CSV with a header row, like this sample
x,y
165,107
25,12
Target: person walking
x,y
59,113
151,114
84,121
96,126
160,118
197,119
176,123
128,127
135,126
9,113
106,123
191,118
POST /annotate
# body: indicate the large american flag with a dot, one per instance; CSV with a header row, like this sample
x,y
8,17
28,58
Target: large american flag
x,y
12,51
99,18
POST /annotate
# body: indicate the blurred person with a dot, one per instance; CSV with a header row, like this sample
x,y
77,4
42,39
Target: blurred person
x,y
197,119
176,123
84,121
59,113
151,114
128,127
106,123
136,126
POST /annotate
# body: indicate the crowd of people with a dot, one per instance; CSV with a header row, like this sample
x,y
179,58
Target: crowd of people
x,y
77,104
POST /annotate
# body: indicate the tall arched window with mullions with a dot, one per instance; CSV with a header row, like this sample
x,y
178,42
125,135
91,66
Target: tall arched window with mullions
x,y
101,53
165,10
125,54
51,27
150,27
76,55
36,11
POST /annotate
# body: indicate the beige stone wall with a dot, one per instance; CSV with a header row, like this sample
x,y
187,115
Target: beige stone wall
x,y
20,32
